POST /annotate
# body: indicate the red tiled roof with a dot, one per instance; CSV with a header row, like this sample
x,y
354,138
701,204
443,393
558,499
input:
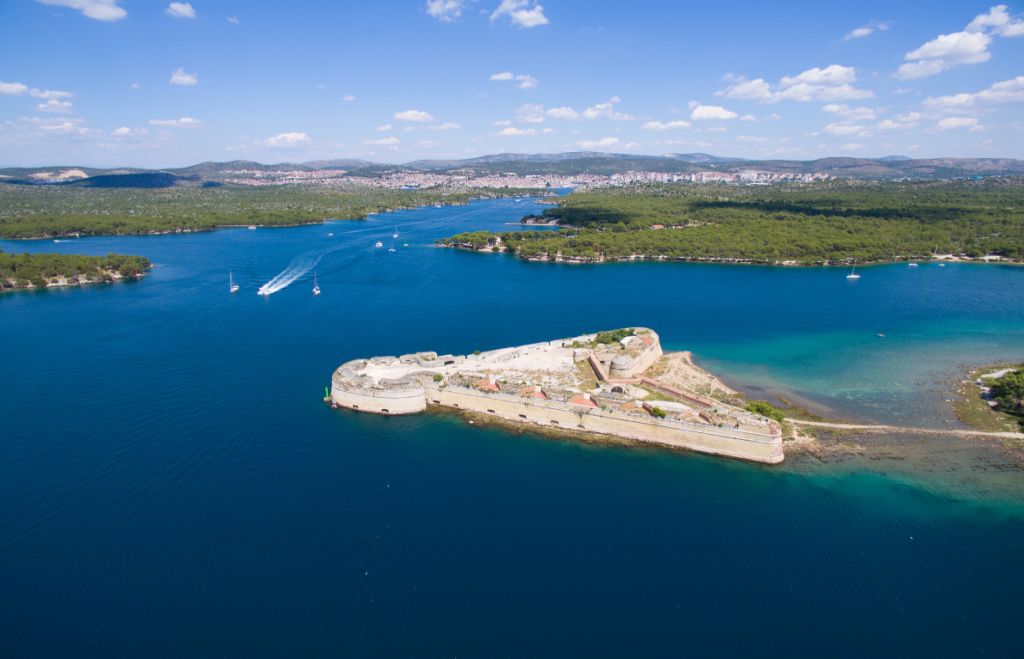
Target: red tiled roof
x,y
581,401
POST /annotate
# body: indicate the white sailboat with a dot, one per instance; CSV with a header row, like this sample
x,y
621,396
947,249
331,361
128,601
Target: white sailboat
x,y
853,272
395,234
378,244
316,288
392,248
232,286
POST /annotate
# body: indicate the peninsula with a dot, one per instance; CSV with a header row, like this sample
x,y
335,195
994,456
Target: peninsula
x,y
617,384
28,271
821,223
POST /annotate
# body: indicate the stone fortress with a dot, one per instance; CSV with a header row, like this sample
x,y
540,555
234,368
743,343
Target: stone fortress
x,y
596,383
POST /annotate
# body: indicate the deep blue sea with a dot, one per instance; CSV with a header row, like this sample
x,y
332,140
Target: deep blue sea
x,y
172,485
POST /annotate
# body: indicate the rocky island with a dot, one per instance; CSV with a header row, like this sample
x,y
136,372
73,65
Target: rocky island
x,y
617,384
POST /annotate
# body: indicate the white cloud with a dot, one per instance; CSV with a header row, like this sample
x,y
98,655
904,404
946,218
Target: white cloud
x,y
427,144
944,52
997,20
831,83
607,110
564,112
969,46
448,125
100,10
852,146
845,111
1007,91
700,112
19,89
122,131
348,98
413,115
445,11
895,124
12,88
383,128
602,143
135,85
748,139
512,131
233,20
524,13
180,10
287,140
384,141
183,122
955,123
53,105
502,122
666,125
866,30
845,128
530,113
523,80
61,127
180,77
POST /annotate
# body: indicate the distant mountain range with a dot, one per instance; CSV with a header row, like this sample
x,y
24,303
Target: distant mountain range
x,y
566,164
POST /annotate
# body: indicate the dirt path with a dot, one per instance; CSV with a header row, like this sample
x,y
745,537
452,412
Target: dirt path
x,y
930,431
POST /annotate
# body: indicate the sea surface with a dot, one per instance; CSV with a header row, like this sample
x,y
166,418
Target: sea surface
x,y
172,485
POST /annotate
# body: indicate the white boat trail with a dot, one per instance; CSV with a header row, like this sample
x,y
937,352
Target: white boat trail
x,y
299,266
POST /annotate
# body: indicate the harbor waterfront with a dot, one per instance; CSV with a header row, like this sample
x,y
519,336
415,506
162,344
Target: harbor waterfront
x,y
173,484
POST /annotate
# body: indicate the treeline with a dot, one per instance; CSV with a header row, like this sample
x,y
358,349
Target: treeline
x,y
25,270
52,211
818,223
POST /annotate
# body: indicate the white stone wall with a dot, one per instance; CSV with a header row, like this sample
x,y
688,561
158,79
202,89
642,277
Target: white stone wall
x,y
379,401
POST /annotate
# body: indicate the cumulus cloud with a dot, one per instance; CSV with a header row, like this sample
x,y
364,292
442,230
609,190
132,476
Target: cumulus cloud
x,y
445,11
180,10
53,105
233,20
564,112
384,141
513,131
602,143
413,115
383,128
348,98
121,132
181,77
999,21
969,46
866,30
524,13
13,88
448,125
700,112
100,10
523,80
289,140
530,113
845,111
1007,91
666,125
183,122
19,89
607,110
956,123
831,83
845,128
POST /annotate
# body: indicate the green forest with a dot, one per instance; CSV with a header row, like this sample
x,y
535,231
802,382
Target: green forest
x,y
44,211
821,223
24,270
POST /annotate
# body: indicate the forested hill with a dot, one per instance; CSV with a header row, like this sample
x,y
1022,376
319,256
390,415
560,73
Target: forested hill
x,y
42,270
825,223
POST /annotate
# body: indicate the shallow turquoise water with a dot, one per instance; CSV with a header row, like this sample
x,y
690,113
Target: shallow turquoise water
x,y
171,483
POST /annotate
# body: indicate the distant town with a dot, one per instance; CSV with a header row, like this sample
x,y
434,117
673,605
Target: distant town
x,y
406,180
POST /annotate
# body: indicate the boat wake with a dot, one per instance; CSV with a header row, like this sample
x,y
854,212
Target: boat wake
x,y
299,266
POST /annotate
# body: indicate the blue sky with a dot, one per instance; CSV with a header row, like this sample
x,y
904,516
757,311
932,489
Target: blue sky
x,y
152,83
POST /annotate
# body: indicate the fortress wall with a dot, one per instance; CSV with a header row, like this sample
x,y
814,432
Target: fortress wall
x,y
379,401
744,445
